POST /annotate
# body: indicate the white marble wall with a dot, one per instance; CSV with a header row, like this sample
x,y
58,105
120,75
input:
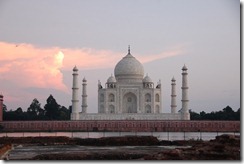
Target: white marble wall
x,y
130,116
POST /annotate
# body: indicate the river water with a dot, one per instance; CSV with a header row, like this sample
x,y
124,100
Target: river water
x,y
160,135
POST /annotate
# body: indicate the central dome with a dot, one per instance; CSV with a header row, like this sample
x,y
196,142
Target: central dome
x,y
129,68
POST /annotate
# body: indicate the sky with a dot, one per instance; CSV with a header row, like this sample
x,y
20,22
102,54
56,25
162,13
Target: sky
x,y
41,42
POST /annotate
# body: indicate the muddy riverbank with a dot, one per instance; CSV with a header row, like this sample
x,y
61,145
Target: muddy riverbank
x,y
225,147
104,141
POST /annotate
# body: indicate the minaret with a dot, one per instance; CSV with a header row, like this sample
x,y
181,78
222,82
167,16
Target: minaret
x,y
84,96
173,96
75,95
185,110
1,107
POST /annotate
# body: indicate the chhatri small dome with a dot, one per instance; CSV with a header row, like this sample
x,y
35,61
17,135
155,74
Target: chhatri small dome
x,y
147,79
184,67
111,79
129,68
75,69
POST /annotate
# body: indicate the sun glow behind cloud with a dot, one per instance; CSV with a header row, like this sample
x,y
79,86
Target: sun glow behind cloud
x,y
27,66
59,58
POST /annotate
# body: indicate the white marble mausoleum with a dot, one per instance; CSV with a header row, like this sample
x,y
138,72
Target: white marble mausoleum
x,y
129,95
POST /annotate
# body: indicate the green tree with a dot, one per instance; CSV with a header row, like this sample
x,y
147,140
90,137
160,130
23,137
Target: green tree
x,y
226,114
19,114
64,113
52,109
19,110
10,115
4,108
194,115
237,114
202,114
228,110
35,109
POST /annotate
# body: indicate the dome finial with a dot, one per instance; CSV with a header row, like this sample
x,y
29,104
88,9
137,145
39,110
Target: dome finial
x,y
75,68
184,68
129,49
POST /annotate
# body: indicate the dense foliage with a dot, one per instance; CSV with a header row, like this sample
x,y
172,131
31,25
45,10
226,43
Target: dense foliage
x,y
52,111
226,114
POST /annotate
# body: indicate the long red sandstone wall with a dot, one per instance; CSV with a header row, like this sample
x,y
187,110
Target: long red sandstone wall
x,y
123,126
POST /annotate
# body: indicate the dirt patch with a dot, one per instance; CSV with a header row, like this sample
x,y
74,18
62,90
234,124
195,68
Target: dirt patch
x,y
224,147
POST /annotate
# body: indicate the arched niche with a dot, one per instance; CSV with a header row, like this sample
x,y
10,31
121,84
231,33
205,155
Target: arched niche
x,y
111,109
148,109
147,97
129,103
111,97
157,97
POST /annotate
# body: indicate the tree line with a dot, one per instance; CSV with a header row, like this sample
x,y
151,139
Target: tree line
x,y
51,111
226,114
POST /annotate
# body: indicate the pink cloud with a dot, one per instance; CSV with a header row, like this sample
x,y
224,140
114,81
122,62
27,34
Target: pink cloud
x,y
28,66
40,67
87,58
165,54
25,65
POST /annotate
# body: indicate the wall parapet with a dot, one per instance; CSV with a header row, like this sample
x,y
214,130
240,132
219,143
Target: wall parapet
x,y
121,126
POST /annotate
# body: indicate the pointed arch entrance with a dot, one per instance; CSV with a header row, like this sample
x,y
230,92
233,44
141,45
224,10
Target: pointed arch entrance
x,y
129,103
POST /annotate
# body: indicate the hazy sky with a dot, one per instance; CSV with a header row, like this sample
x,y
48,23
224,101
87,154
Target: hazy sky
x,y
41,42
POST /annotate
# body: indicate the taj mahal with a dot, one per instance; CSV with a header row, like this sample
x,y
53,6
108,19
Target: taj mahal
x,y
129,95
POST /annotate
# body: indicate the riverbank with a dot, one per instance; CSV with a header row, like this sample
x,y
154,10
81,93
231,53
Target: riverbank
x,y
4,150
225,147
103,141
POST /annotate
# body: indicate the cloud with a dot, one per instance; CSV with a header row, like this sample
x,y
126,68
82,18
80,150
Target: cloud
x,y
25,65
29,66
162,55
87,58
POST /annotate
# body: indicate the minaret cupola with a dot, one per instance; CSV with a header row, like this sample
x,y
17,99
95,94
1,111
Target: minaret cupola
x,y
147,82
